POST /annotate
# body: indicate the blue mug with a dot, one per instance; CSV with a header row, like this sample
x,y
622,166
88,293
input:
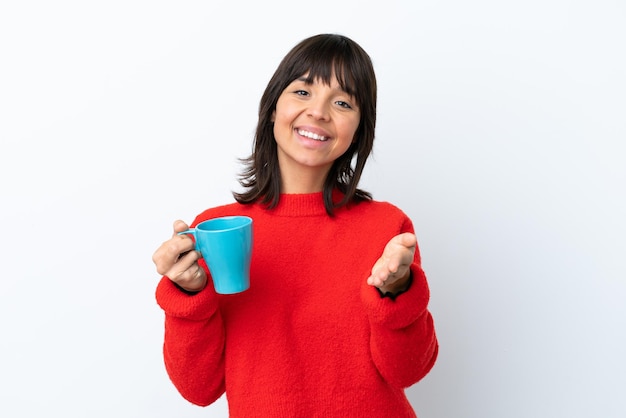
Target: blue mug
x,y
226,246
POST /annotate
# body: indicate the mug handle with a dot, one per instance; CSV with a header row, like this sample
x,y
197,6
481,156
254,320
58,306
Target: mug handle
x,y
190,231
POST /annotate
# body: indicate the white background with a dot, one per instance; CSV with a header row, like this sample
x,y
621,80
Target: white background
x,y
501,133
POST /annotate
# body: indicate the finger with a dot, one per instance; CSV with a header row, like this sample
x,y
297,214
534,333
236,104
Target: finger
x,y
179,246
193,273
180,226
394,263
395,257
403,252
379,282
187,261
378,276
193,279
171,252
198,279
399,267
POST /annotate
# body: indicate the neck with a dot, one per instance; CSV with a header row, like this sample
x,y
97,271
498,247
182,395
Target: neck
x,y
302,186
303,181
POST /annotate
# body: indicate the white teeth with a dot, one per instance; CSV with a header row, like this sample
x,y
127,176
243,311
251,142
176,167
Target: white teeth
x,y
312,135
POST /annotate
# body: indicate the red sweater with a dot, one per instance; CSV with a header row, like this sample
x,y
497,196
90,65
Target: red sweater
x,y
309,338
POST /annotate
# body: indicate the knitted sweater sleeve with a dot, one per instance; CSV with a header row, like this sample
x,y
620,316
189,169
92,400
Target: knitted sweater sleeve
x,y
193,347
403,343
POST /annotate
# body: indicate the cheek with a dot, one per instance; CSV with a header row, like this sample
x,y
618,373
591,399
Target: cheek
x,y
280,114
281,127
349,130
279,122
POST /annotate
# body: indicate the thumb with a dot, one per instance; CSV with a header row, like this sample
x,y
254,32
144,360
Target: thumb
x,y
406,239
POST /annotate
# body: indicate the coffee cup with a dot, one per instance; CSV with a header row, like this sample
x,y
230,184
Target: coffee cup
x,y
226,246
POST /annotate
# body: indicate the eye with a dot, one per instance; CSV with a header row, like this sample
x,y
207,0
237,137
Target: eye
x,y
343,104
301,93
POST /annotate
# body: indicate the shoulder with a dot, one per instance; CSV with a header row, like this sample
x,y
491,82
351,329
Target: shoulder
x,y
380,213
378,207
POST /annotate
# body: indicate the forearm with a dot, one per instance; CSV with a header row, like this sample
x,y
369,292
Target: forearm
x,y
403,357
403,342
194,358
193,348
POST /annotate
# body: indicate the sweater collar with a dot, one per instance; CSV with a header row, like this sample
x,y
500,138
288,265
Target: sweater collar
x,y
306,204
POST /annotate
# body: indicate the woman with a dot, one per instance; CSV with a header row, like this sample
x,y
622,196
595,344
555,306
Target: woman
x,y
335,323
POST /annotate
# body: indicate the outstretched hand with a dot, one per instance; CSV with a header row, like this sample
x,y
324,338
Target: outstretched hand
x,y
392,270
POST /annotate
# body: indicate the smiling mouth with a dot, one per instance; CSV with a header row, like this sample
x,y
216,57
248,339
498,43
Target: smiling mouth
x,y
312,135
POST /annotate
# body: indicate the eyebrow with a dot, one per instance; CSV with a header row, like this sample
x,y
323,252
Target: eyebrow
x,y
308,80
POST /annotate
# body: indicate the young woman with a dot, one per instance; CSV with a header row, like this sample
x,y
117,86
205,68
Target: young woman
x,y
336,320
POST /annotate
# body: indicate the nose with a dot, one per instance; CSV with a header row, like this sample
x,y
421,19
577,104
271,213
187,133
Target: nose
x,y
318,109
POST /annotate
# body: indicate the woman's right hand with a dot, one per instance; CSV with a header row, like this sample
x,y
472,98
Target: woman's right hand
x,y
177,259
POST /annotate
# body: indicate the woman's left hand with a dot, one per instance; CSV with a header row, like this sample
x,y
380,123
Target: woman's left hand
x,y
392,270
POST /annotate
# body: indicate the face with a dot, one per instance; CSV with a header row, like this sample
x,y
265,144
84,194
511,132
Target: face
x,y
314,124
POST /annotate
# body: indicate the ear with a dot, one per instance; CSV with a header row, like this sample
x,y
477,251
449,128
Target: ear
x,y
273,118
